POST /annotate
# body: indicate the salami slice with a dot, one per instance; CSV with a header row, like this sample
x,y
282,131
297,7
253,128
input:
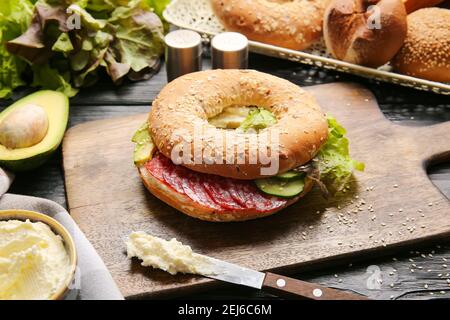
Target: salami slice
x,y
156,168
239,190
215,192
195,190
173,177
219,193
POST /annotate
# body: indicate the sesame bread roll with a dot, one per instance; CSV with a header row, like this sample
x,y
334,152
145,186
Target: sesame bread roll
x,y
426,51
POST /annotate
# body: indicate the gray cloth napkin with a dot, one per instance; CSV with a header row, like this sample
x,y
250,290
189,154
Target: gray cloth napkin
x,y
92,280
6,178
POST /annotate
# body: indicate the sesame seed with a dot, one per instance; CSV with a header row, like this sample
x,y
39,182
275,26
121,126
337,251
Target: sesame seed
x,y
425,286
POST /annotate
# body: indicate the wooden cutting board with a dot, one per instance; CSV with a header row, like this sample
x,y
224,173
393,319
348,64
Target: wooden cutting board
x,y
393,203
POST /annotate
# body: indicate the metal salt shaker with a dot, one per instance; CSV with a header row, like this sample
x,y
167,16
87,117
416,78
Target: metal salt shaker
x,y
183,53
229,50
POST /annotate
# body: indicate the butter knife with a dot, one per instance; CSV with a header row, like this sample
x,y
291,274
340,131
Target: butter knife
x,y
275,284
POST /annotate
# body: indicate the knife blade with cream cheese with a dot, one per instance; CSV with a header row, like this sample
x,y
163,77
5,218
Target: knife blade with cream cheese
x,y
173,256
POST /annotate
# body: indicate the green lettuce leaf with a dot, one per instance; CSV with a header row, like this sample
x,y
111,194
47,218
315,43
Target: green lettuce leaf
x,y
50,78
63,44
11,69
15,16
75,39
158,5
333,160
138,39
87,20
258,119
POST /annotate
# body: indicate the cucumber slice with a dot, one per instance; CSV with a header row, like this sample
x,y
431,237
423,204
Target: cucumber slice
x,y
281,188
289,175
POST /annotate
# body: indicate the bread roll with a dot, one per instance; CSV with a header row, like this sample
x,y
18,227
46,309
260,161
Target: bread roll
x,y
365,32
293,24
413,5
426,51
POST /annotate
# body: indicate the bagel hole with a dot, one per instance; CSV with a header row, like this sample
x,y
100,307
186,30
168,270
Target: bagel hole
x,y
231,117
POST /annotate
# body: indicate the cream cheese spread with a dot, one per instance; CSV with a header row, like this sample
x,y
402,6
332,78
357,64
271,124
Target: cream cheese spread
x,y
171,256
33,261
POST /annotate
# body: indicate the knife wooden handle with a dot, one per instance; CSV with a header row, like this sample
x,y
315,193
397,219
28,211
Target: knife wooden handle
x,y
293,288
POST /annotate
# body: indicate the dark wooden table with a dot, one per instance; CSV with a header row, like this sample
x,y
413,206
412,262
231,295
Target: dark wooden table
x,y
414,273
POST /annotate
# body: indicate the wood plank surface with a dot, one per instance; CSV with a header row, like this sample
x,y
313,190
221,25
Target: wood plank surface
x,y
405,275
113,202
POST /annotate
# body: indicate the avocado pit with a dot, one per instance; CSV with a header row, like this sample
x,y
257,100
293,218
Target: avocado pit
x,y
24,127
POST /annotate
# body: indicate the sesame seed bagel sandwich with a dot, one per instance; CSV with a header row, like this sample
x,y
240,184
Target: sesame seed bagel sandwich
x,y
233,145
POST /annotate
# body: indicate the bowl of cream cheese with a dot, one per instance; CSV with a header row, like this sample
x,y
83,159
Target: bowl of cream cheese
x,y
38,257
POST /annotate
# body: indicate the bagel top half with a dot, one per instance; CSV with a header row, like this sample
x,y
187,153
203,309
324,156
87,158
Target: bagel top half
x,y
180,114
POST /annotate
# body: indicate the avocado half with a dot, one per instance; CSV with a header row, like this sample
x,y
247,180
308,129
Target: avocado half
x,y
56,106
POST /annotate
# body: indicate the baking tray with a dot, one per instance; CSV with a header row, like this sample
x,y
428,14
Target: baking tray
x,y
198,15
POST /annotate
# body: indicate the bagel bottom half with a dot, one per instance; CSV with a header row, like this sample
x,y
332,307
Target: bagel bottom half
x,y
191,208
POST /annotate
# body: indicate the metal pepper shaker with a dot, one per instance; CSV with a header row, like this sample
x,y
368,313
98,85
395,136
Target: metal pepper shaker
x,y
183,53
229,50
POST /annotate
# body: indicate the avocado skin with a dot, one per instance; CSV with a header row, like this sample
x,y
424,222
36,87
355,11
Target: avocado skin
x,y
31,162
28,163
